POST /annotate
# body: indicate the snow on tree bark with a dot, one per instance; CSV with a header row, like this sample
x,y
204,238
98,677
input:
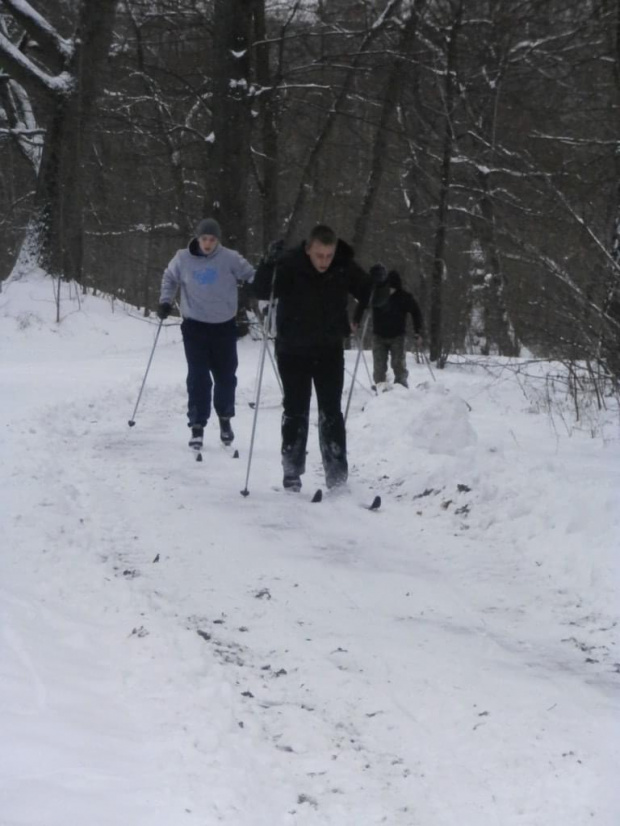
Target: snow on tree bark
x,y
70,80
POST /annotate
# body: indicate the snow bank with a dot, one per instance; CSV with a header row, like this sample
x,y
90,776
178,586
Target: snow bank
x,y
88,324
496,470
430,418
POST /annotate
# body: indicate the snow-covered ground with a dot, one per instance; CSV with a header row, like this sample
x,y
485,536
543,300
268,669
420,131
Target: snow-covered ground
x,y
173,653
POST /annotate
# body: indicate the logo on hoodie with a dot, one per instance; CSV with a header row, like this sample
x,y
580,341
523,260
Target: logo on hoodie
x,y
206,276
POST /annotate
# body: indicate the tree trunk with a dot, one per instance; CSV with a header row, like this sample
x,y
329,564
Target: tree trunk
x,y
268,101
230,168
439,266
609,336
497,332
58,212
390,96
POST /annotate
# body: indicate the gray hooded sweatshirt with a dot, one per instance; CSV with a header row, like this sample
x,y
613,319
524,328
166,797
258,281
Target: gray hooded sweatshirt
x,y
208,283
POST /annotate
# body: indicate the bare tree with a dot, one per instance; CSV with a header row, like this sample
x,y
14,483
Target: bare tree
x,y
66,72
390,96
450,99
321,141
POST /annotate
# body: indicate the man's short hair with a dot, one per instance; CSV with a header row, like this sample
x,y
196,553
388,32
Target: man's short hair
x,y
323,234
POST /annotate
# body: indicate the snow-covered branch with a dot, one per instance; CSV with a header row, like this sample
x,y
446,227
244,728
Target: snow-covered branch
x,y
25,70
23,125
39,28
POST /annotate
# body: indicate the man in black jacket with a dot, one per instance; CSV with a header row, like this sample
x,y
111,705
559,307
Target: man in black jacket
x,y
312,283
388,324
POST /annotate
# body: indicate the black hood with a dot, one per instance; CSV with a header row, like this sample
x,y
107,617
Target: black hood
x,y
344,252
394,280
193,247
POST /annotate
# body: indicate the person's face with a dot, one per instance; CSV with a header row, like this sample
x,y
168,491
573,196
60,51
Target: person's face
x,y
321,255
207,243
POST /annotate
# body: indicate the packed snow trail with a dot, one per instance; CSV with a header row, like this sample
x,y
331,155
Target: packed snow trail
x,y
173,652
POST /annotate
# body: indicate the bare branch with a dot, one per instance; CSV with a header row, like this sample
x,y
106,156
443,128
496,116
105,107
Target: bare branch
x,y
25,71
39,29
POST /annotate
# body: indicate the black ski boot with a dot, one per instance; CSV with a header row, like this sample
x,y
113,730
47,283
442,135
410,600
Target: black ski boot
x,y
291,482
226,431
336,481
198,433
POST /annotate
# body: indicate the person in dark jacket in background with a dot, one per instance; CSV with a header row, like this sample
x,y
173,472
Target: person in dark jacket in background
x,y
389,324
312,284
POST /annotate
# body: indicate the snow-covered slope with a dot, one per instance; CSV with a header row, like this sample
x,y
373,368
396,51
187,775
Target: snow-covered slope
x,y
174,653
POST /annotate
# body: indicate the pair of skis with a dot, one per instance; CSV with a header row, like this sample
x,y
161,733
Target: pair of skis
x,y
318,494
373,506
198,452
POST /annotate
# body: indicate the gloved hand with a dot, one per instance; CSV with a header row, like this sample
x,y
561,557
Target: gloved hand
x,y
274,251
163,310
378,274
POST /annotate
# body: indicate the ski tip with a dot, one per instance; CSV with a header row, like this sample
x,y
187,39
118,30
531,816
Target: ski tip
x,y
236,454
318,495
375,504
244,492
199,457
131,422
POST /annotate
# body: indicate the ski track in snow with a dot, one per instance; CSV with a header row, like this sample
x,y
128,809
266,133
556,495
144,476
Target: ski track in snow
x,y
193,656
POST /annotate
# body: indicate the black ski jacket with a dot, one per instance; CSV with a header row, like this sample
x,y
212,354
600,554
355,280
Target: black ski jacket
x,y
390,319
312,310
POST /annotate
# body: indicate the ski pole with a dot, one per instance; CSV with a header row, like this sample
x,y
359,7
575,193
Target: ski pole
x,y
132,421
276,373
360,344
275,368
373,386
416,352
363,386
253,403
428,364
259,381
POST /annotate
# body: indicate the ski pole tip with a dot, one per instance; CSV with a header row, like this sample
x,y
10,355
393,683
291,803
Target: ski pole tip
x,y
244,492
131,423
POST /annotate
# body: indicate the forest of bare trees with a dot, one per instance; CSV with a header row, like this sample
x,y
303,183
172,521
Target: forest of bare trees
x,y
474,145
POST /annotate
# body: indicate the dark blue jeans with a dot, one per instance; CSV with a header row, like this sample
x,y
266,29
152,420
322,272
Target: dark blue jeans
x,y
211,353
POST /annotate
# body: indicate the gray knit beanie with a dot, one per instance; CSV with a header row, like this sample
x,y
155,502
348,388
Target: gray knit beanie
x,y
209,226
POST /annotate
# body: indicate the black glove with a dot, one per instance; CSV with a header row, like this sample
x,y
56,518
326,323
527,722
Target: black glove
x,y
163,310
274,251
378,274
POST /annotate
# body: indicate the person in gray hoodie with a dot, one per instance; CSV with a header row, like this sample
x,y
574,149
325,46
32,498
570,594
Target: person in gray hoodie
x,y
207,275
